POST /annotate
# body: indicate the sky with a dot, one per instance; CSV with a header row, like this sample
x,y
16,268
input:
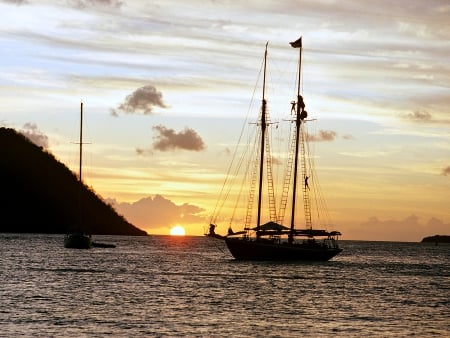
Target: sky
x,y
166,86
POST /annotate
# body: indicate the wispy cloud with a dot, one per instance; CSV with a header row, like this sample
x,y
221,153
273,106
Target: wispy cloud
x,y
419,116
75,3
141,101
32,132
324,135
143,151
94,3
226,152
348,137
424,116
16,2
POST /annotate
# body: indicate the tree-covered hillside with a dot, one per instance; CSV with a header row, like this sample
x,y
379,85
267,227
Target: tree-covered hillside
x,y
39,194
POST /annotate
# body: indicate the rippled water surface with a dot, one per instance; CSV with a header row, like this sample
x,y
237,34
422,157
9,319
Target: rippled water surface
x,y
191,286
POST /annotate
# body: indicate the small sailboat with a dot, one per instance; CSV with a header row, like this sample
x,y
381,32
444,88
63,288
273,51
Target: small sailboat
x,y
79,239
273,241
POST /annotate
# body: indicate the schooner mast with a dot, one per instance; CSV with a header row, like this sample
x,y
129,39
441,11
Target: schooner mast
x,y
300,115
263,137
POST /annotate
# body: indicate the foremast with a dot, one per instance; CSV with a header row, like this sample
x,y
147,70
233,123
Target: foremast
x,y
263,137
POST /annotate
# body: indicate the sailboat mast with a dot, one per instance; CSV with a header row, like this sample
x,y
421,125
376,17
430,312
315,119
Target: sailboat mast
x,y
298,122
81,138
80,187
263,137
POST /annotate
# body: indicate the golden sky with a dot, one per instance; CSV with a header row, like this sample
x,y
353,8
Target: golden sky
x,y
167,85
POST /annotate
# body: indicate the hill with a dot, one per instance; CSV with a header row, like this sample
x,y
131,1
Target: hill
x,y
39,194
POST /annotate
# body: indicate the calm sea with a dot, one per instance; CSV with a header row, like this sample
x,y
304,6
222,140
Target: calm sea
x,y
190,286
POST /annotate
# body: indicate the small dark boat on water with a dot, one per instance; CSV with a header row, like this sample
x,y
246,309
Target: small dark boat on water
x,y
103,245
79,239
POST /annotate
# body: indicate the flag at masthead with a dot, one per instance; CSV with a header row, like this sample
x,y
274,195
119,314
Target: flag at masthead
x,y
297,43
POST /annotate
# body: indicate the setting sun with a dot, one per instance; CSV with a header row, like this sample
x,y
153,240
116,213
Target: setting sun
x,y
177,230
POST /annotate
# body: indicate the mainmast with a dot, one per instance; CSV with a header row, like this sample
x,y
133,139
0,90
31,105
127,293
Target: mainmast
x,y
263,137
300,116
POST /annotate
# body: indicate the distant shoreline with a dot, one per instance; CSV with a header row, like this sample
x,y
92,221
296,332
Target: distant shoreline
x,y
436,239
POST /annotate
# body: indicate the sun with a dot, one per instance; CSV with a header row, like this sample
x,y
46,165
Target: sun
x,y
177,230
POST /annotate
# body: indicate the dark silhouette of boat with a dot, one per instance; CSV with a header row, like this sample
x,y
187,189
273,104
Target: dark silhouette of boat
x,y
273,241
79,239
103,245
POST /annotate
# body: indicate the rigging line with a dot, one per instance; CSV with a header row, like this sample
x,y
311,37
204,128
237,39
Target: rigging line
x,y
320,207
245,177
214,215
325,215
231,184
269,173
252,178
234,176
313,174
287,173
305,173
228,175
320,202
276,138
311,169
220,248
282,70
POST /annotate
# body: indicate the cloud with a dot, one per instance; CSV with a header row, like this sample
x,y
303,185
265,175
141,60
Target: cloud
x,y
419,116
226,152
77,3
141,101
324,135
348,137
95,3
158,212
168,139
446,171
32,132
407,229
423,116
16,2
143,151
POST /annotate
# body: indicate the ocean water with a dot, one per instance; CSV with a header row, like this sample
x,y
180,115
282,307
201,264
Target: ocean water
x,y
162,286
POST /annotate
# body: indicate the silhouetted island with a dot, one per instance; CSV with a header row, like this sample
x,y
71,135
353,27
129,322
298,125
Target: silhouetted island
x,y
39,194
436,239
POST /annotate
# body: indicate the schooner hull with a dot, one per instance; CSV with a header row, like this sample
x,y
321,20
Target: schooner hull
x,y
247,249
